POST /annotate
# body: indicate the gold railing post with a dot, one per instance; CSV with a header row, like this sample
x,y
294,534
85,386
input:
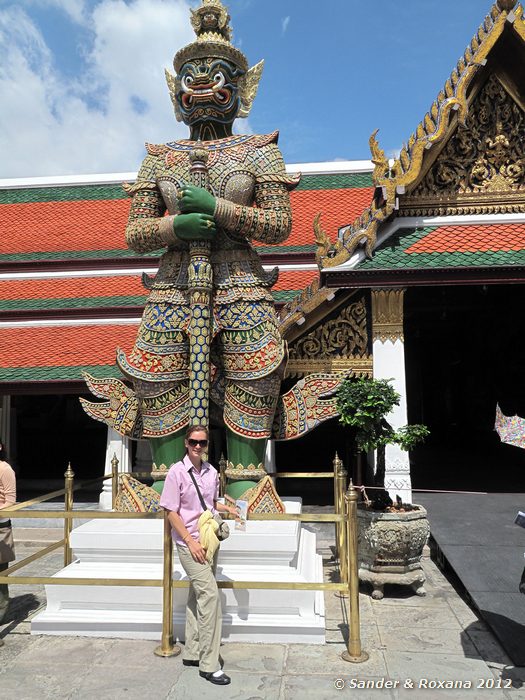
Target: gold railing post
x,y
68,507
114,481
354,652
222,475
167,648
340,476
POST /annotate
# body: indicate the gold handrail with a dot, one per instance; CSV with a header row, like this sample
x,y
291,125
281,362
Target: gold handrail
x,y
354,652
109,515
303,475
68,507
33,557
157,583
114,481
167,647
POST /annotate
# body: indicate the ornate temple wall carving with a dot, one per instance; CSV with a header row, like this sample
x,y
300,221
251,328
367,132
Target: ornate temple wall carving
x,y
481,170
341,341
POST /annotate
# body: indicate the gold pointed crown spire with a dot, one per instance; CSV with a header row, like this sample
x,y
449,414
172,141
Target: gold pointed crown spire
x,y
507,5
211,23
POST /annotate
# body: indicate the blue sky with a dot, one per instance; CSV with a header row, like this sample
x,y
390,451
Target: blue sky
x,y
82,85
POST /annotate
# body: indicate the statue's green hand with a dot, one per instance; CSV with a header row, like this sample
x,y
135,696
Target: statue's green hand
x,y
194,227
196,200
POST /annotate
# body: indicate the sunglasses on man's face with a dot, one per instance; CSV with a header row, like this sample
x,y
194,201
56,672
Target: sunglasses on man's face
x,y
194,443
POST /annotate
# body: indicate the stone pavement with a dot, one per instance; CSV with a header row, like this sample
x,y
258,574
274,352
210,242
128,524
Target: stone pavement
x,y
415,643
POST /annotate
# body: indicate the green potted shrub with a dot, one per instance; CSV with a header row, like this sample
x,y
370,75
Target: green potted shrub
x,y
391,535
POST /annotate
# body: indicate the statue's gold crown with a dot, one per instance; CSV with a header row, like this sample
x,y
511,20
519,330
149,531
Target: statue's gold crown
x,y
211,23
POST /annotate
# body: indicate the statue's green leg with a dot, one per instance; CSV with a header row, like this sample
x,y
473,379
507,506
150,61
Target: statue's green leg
x,y
248,453
166,451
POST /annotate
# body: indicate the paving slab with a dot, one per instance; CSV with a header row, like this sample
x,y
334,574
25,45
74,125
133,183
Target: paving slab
x,y
431,639
23,682
14,646
256,658
417,666
244,686
326,660
140,678
410,617
310,687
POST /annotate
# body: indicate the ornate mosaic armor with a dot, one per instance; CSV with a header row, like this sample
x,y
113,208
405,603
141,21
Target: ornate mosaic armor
x,y
248,179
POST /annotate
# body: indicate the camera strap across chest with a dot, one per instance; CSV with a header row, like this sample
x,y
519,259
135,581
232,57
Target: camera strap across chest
x,y
201,499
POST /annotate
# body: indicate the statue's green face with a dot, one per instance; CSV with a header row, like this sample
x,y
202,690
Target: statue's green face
x,y
209,91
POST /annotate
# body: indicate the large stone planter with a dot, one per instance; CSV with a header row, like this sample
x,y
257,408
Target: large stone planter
x,y
390,546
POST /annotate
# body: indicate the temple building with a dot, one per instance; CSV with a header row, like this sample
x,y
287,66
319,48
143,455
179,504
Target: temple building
x,y
410,269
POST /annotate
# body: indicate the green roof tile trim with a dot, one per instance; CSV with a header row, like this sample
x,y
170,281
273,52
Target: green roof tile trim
x,y
73,193
126,253
74,255
283,249
47,374
61,194
99,302
285,295
391,255
336,182
68,303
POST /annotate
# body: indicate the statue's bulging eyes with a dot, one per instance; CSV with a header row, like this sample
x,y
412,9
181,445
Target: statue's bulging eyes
x,y
187,81
219,79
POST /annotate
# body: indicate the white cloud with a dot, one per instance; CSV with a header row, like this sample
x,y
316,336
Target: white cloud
x,y
284,24
98,121
76,9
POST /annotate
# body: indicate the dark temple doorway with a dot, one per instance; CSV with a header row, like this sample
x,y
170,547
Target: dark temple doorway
x,y
465,352
49,432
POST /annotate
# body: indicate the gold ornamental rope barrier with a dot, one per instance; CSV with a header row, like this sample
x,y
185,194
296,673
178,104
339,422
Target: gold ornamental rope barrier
x,y
345,521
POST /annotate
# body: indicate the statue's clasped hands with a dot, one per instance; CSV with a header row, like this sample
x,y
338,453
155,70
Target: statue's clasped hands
x,y
195,222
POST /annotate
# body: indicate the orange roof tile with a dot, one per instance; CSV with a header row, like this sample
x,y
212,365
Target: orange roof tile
x,y
65,346
338,207
100,224
72,287
64,288
295,279
60,226
475,238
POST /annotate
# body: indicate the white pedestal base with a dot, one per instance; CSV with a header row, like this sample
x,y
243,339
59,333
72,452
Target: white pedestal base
x,y
120,549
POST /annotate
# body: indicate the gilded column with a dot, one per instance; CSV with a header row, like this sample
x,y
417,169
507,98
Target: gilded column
x,y
389,363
